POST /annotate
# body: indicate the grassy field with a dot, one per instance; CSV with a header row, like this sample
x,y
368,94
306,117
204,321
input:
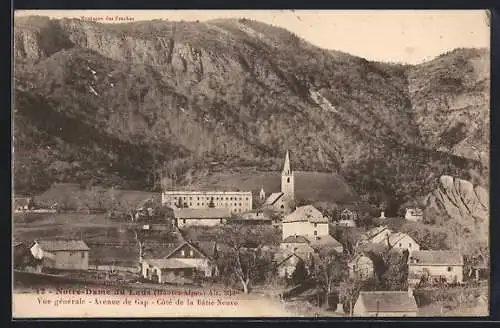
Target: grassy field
x,y
94,229
309,186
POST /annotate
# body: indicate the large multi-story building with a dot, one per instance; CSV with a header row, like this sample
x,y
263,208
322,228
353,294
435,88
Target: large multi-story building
x,y
236,201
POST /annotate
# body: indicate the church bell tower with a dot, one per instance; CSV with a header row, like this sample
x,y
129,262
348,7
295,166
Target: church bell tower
x,y
288,182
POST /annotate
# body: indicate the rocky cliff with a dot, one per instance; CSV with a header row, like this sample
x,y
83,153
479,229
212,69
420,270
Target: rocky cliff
x,y
127,103
460,206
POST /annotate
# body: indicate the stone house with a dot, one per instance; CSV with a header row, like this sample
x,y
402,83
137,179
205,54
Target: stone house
x,y
385,304
61,254
184,262
435,266
287,264
361,267
305,221
402,241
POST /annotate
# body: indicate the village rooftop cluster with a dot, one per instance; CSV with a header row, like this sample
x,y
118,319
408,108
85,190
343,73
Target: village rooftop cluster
x,y
307,251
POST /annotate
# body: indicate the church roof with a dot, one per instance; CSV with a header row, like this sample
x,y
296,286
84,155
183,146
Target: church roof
x,y
273,198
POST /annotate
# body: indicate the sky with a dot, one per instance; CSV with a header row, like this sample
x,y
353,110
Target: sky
x,y
409,37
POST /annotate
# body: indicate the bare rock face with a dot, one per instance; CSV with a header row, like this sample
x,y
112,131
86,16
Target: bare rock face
x,y
459,200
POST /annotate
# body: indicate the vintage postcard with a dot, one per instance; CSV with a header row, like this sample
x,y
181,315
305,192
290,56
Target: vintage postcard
x,y
250,163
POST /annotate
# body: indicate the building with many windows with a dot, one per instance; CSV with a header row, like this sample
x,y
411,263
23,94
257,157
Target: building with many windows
x,y
235,201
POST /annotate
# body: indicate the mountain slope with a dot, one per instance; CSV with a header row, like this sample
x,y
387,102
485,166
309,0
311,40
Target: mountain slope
x,y
161,97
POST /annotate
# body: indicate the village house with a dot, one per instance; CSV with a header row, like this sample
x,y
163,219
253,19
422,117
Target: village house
x,y
200,216
283,201
287,263
305,221
361,267
348,215
414,214
435,266
23,204
184,262
62,254
234,201
385,304
402,241
375,235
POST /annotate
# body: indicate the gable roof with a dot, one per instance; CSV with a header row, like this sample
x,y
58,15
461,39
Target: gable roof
x,y
295,239
62,245
398,236
282,258
273,198
307,213
323,243
191,245
201,213
388,301
429,257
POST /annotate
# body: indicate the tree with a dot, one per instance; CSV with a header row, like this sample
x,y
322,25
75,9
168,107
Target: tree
x,y
300,274
349,292
239,263
327,269
140,244
395,275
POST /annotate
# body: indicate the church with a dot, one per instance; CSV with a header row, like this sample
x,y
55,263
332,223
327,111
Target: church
x,y
284,201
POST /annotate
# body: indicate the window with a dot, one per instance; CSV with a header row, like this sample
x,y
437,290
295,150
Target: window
x,y
191,253
220,220
315,232
83,255
183,253
288,180
190,204
409,245
315,225
190,198
184,221
450,269
400,244
198,198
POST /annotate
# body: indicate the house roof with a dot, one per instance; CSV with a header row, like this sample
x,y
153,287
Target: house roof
x,y
428,257
273,198
306,213
296,239
281,258
323,243
397,236
201,213
62,245
388,301
254,216
376,231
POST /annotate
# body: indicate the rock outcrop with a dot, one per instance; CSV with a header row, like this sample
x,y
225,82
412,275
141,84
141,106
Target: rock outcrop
x,y
459,200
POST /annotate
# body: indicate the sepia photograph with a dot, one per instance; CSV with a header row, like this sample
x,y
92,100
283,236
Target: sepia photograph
x,y
250,163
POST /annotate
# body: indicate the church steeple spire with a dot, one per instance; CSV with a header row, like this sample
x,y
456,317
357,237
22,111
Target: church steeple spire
x,y
286,166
